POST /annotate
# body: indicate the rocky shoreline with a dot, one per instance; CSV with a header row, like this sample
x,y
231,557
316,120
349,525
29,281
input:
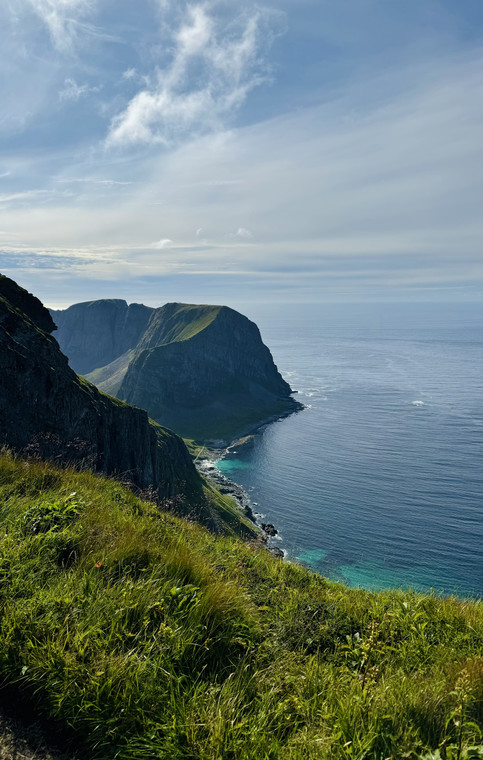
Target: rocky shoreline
x,y
216,450
208,469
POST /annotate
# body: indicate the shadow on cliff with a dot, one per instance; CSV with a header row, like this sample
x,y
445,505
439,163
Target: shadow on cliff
x,y
48,411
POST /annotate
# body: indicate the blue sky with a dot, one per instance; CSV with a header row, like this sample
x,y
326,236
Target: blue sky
x,y
287,150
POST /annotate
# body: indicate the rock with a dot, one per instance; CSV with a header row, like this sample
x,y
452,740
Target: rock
x,y
249,513
201,370
47,409
269,529
94,333
246,442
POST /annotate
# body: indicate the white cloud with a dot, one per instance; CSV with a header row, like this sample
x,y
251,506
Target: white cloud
x,y
22,196
163,243
94,181
211,72
241,234
73,91
62,17
337,197
194,36
129,74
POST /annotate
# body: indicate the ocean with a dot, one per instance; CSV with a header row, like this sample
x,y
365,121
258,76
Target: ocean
x,y
378,482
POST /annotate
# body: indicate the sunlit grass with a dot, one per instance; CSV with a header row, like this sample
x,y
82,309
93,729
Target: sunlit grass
x,y
144,636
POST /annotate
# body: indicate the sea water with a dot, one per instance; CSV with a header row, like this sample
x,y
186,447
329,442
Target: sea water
x,y
378,482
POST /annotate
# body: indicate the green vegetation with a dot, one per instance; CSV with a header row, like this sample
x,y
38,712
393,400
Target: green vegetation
x,y
110,377
143,636
196,449
184,321
201,370
94,393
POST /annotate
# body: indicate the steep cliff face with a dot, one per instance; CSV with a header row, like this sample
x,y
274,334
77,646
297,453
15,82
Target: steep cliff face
x,y
47,408
202,370
216,382
94,333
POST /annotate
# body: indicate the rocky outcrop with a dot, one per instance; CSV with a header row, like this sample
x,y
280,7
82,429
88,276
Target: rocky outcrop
x,y
47,409
94,333
201,370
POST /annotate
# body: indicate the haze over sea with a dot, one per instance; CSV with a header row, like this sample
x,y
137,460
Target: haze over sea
x,y
379,481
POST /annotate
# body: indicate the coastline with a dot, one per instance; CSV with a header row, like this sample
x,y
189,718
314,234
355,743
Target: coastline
x,y
259,426
225,485
206,464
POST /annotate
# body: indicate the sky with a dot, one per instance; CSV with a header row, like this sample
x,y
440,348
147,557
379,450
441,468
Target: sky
x,y
282,151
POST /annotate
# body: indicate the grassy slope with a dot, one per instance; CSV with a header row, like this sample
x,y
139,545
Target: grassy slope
x,y
144,636
185,322
220,510
110,377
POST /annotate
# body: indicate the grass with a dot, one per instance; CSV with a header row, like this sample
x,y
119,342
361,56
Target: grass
x,y
183,322
143,636
109,378
195,448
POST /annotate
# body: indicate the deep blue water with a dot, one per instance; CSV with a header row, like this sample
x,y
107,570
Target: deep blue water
x,y
379,481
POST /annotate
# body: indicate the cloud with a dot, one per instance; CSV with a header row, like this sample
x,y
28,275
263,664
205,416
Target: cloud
x,y
129,74
161,244
95,181
212,69
24,195
35,260
378,187
74,92
62,18
241,234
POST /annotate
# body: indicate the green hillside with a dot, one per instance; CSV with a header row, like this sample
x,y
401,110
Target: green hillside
x,y
184,322
142,636
110,377
178,321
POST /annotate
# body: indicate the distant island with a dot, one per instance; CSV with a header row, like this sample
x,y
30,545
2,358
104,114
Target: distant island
x,y
200,370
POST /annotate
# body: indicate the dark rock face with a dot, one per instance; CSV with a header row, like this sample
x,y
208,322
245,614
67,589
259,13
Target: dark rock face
x,y
94,333
201,370
43,404
269,529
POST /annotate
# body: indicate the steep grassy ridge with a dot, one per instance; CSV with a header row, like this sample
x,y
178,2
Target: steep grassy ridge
x,y
109,378
143,636
177,321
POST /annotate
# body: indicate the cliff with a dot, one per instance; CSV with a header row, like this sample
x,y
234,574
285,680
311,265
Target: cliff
x,y
46,409
201,370
44,404
95,333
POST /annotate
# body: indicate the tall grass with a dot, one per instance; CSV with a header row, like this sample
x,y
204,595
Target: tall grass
x,y
144,636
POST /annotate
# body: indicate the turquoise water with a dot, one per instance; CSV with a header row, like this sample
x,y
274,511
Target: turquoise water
x,y
379,481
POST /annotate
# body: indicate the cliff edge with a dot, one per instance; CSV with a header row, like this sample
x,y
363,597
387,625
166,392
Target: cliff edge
x,y
48,410
201,370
